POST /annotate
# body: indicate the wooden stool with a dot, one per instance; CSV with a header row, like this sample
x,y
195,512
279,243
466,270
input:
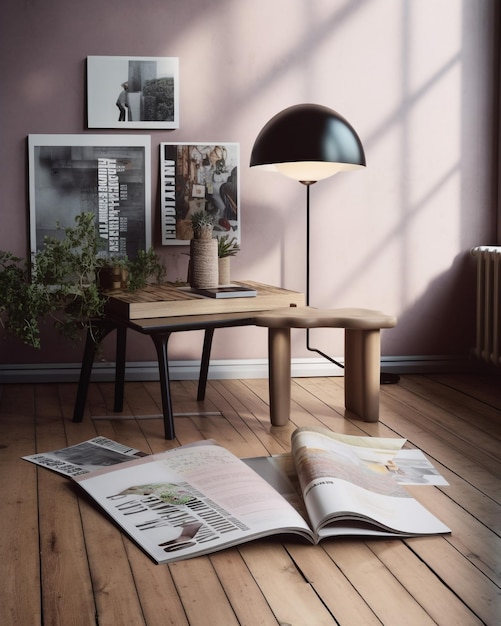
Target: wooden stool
x,y
362,366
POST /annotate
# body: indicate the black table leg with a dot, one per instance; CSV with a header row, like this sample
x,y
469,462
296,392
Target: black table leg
x,y
161,341
95,335
204,365
120,368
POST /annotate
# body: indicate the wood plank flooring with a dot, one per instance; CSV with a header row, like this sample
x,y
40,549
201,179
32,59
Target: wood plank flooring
x,y
64,563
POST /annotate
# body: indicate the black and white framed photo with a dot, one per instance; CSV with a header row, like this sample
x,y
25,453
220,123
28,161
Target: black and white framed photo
x,y
132,92
109,175
199,177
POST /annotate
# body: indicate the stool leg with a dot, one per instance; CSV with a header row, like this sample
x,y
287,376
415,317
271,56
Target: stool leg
x,y
362,372
279,364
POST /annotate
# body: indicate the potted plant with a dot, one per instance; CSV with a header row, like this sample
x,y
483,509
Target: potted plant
x,y
226,248
202,224
64,283
65,271
120,272
203,269
113,273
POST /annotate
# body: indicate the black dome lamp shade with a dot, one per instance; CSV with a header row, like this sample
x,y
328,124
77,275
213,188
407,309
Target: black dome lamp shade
x,y
308,142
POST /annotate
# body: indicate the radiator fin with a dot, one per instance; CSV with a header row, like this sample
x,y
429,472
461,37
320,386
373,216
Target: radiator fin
x,y
488,318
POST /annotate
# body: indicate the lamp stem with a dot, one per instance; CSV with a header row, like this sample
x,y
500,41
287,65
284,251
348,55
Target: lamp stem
x,y
308,184
385,378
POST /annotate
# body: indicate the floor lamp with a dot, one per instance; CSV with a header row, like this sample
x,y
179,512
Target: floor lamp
x,y
308,142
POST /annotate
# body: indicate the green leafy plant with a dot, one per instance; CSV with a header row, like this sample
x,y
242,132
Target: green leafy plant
x,y
63,284
66,270
134,273
113,261
22,302
226,246
146,264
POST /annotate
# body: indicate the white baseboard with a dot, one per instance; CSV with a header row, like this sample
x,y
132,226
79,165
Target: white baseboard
x,y
224,369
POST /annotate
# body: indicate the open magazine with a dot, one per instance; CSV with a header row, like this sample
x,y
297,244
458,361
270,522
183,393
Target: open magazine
x,y
198,499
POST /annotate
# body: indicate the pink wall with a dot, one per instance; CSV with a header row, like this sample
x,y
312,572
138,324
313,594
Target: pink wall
x,y
414,78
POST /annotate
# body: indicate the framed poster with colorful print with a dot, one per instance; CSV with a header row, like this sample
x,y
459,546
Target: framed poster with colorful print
x,y
199,177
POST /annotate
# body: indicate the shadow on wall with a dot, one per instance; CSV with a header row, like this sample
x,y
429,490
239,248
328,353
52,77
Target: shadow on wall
x,y
442,321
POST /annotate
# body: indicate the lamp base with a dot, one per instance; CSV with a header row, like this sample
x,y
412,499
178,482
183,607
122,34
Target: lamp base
x,y
389,379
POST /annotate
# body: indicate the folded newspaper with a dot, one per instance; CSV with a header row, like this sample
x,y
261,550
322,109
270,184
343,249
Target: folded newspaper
x,y
198,499
85,457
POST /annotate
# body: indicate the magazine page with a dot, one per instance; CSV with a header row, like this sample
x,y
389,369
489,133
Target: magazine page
x,y
344,481
190,501
411,467
280,472
407,467
85,457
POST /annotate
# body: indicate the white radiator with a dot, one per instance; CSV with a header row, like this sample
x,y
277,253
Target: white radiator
x,y
488,330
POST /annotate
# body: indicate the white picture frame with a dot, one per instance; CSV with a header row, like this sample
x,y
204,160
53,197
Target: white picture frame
x,y
197,176
109,175
132,92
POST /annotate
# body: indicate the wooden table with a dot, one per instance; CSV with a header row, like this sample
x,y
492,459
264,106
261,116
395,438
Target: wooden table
x,y
160,310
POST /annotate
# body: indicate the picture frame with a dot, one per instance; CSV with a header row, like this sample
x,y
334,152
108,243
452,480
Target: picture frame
x,y
132,92
199,177
109,175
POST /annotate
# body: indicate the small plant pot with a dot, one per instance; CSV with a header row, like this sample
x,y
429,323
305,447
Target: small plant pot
x,y
111,278
224,267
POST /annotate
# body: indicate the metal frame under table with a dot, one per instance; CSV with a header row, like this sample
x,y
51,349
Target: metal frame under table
x,y
160,330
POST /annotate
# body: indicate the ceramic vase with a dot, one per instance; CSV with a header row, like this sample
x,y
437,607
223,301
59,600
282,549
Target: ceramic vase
x,y
224,270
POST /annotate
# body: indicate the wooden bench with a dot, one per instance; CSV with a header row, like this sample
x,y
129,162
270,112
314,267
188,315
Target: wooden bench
x,y
362,364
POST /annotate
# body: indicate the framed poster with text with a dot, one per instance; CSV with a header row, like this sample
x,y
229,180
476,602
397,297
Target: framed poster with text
x,y
132,92
198,177
109,176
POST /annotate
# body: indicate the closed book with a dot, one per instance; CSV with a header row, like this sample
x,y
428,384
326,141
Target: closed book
x,y
230,291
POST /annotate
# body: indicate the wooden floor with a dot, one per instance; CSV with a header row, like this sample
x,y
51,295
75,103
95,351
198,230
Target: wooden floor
x,y
63,563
